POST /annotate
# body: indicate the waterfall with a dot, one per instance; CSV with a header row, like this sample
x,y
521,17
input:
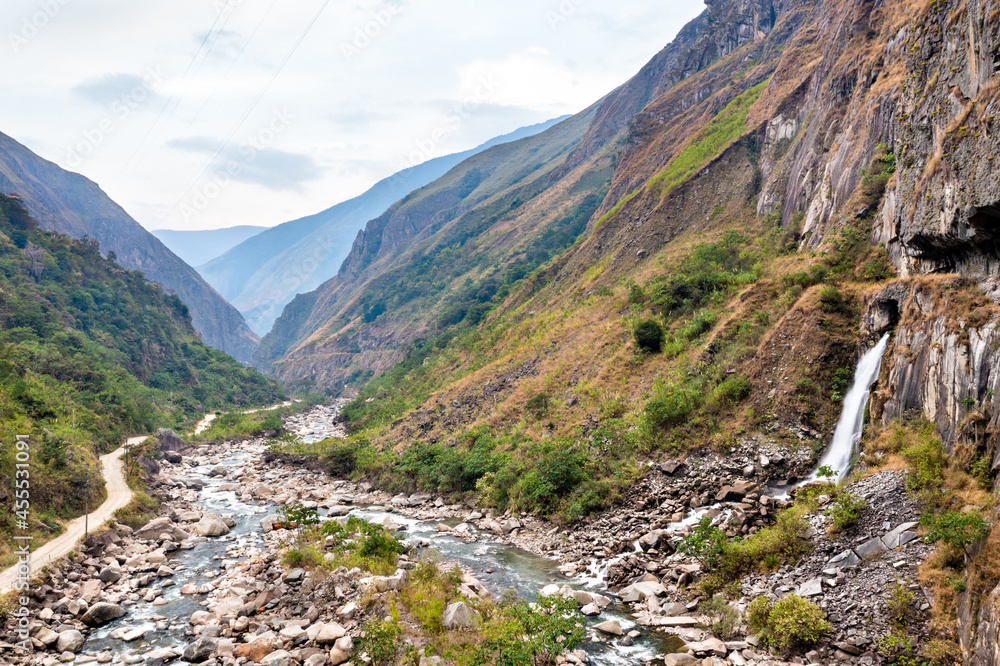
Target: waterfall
x,y
848,432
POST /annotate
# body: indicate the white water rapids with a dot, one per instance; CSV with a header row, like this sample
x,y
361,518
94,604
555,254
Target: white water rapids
x,y
852,419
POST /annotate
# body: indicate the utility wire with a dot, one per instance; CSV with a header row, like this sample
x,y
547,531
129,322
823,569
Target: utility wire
x,y
246,114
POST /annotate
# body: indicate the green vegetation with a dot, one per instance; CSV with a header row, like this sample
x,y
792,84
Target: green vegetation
x,y
710,141
955,528
725,618
522,634
899,605
91,353
380,641
790,623
354,543
927,459
298,514
649,336
428,592
846,511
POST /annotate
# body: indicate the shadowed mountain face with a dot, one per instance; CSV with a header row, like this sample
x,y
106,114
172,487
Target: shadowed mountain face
x,y
199,247
71,204
263,274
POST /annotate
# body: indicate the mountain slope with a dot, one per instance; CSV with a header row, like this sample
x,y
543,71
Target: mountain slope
x,y
198,247
91,353
825,176
263,274
71,204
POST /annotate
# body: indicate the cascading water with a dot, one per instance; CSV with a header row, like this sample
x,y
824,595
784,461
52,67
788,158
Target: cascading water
x,y
848,433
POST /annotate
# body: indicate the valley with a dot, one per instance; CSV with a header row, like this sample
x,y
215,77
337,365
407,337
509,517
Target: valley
x,y
704,373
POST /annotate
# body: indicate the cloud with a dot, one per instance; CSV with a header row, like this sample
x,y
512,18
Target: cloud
x,y
276,170
104,90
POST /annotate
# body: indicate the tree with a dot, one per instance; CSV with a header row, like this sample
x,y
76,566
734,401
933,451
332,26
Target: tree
x,y
649,336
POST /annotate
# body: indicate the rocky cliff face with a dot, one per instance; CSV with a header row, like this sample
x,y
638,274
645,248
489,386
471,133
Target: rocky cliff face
x,y
70,204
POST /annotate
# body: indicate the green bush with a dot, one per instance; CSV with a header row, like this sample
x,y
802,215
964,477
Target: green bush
x,y
790,623
955,528
380,641
296,513
538,405
846,511
898,605
672,404
649,336
523,634
725,618
728,394
927,459
706,543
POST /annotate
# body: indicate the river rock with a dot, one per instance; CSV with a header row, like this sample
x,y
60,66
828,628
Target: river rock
x,y
200,650
460,615
680,659
278,658
101,613
255,651
110,574
328,634
211,525
70,641
612,627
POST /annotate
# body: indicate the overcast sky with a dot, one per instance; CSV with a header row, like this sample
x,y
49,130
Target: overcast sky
x,y
200,114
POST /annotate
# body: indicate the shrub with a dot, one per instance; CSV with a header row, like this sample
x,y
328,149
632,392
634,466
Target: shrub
x,y
380,641
955,528
706,543
538,405
898,605
846,511
428,593
758,611
672,405
523,634
792,622
725,618
296,513
649,336
831,299
927,460
729,393
785,541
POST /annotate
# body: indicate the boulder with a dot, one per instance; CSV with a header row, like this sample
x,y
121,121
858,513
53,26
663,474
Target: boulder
x,y
110,574
711,646
460,615
255,651
328,634
101,613
46,636
167,440
201,650
211,525
680,659
277,658
70,641
172,457
657,539
811,588
611,627
870,548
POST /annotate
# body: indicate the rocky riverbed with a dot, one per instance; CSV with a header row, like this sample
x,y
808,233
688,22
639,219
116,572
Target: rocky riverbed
x,y
203,582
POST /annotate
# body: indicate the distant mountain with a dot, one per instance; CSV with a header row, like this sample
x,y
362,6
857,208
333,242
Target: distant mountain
x,y
200,247
71,204
263,274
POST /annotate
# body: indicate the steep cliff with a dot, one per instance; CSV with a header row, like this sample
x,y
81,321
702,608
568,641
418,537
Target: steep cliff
x,y
70,204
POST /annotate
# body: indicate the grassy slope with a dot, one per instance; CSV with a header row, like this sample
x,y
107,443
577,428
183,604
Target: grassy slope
x,y
89,354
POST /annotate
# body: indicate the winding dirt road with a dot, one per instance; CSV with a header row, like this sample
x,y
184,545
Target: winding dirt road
x,y
119,495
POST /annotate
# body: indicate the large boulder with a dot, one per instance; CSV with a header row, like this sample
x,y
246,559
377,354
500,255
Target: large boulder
x,y
460,615
255,651
70,641
101,613
157,527
327,634
201,650
278,658
167,440
110,574
611,627
211,525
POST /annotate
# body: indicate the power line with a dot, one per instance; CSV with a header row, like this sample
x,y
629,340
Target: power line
x,y
173,94
246,114
212,96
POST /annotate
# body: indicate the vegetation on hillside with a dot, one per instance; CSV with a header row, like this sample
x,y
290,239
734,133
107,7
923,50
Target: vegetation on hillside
x,y
91,353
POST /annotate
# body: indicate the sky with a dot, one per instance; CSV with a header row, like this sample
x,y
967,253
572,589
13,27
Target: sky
x,y
203,114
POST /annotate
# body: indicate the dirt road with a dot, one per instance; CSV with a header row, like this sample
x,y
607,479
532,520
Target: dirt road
x,y
119,495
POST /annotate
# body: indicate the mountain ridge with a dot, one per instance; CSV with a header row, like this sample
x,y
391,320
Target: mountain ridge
x,y
70,203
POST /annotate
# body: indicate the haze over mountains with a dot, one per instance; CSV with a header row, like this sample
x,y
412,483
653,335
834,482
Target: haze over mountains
x,y
71,204
264,273
198,247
